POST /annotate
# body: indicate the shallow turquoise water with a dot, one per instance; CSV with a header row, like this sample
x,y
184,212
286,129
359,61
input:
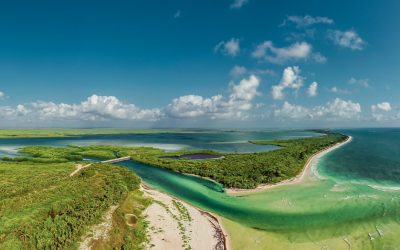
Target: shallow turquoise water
x,y
352,199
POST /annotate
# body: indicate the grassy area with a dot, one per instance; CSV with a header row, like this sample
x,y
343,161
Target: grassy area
x,y
62,132
234,170
41,207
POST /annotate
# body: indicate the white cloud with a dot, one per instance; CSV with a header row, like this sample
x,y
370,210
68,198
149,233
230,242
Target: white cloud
x,y
230,48
289,111
237,4
291,78
2,95
246,89
339,109
383,106
335,89
270,53
237,71
307,20
319,58
348,39
378,110
194,106
7,112
218,106
336,110
312,89
96,108
362,82
177,14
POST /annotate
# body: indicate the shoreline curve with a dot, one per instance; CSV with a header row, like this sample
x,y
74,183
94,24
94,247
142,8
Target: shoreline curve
x,y
307,169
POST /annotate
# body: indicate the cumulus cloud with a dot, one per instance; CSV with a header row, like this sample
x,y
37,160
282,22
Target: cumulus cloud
x,y
336,110
339,109
361,82
237,4
96,108
218,106
383,106
307,20
2,95
291,79
378,110
237,71
9,112
267,51
194,106
312,89
246,89
295,112
347,39
230,47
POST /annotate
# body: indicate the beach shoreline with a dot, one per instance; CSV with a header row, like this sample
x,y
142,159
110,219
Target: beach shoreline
x,y
205,229
307,169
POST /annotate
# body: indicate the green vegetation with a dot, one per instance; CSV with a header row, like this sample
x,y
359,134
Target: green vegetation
x,y
244,170
42,207
234,170
62,132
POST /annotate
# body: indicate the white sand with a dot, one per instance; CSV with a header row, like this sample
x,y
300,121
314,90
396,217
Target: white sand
x,y
309,170
203,231
79,167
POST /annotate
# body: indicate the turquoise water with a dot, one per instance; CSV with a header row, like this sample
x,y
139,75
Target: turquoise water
x,y
373,156
356,199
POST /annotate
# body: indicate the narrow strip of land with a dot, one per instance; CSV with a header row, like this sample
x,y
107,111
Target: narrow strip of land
x,y
309,168
79,167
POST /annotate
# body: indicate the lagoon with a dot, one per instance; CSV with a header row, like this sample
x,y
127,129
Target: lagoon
x,y
353,201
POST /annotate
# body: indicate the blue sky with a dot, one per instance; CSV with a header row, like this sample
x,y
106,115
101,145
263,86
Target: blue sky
x,y
226,63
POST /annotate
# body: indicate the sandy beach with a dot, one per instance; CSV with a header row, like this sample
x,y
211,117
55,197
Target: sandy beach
x,y
174,224
308,170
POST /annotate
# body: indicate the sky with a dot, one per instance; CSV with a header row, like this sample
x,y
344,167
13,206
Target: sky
x,y
225,63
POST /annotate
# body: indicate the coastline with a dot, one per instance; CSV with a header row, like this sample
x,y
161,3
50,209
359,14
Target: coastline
x,y
168,229
307,169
